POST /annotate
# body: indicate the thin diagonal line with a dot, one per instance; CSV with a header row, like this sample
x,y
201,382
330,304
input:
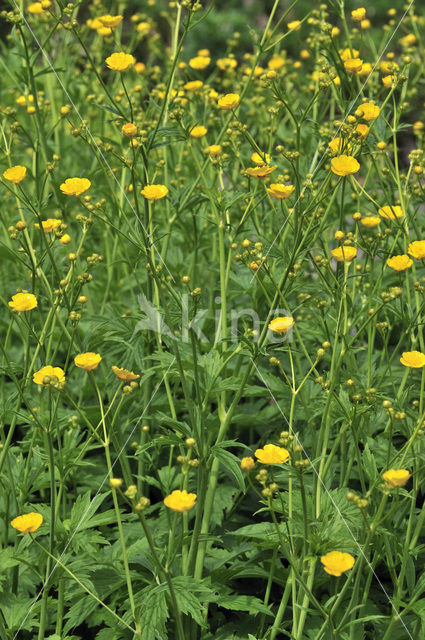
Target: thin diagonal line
x,y
94,497
334,504
64,89
352,103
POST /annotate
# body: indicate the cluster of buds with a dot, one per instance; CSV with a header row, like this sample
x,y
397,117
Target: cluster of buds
x,y
129,388
142,504
391,294
359,502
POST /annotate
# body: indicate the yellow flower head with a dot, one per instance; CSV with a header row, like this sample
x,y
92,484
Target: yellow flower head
x,y
338,144
226,63
295,25
65,239
260,160
344,253
139,67
110,21
408,40
48,375
336,563
353,65
199,62
154,191
143,28
180,500
417,249
388,66
28,523
23,302
413,359
75,186
198,131
344,165
260,172
363,130
358,14
368,111
120,61
365,24
247,463
129,129
15,174
347,54
388,81
370,222
35,8
49,225
399,263
281,191
390,212
281,325
87,361
396,477
271,454
193,85
229,101
125,374
213,150
276,63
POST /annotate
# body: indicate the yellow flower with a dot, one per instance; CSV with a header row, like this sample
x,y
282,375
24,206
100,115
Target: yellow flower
x,y
338,144
229,101
336,563
417,249
87,361
271,454
295,25
205,53
143,28
358,14
28,523
75,186
344,253
15,174
49,225
193,85
198,132
281,324
281,191
180,500
365,24
154,191
346,54
23,302
396,477
363,129
344,165
110,21
35,8
388,66
335,32
400,263
129,130
366,69
66,239
370,222
247,463
139,67
413,359
368,111
199,62
125,374
213,150
388,81
226,63
260,172
260,160
353,65
390,212
276,63
407,41
120,61
48,374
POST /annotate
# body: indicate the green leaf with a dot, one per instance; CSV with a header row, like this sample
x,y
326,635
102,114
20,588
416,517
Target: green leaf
x,y
231,463
243,603
154,615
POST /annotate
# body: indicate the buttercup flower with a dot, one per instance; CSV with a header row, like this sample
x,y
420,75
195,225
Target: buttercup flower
x,y
344,165
154,191
400,263
199,62
213,150
388,81
281,325
396,477
276,62
87,361
370,221
347,54
27,523
281,191
390,212
23,302
229,101
48,374
226,63
260,172
413,359
338,144
336,563
417,249
129,129
198,132
295,25
271,454
15,174
353,65
344,253
247,463
143,28
260,160
120,61
49,225
35,8
110,21
180,500
363,130
125,374
193,85
75,186
358,14
368,111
